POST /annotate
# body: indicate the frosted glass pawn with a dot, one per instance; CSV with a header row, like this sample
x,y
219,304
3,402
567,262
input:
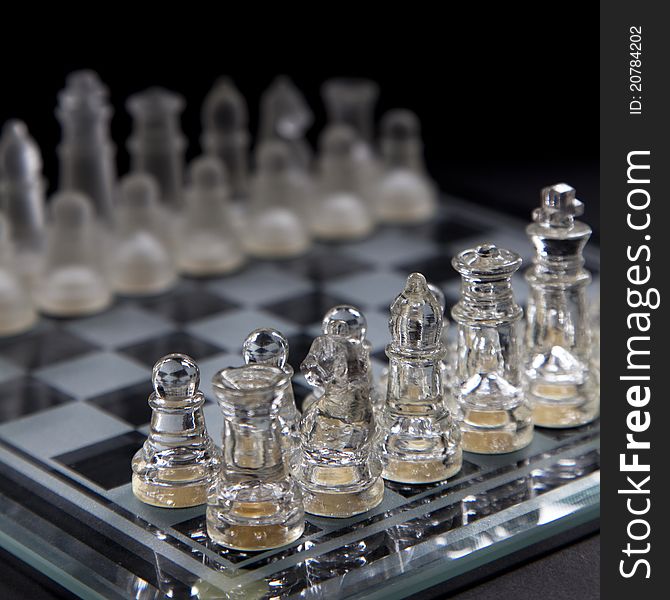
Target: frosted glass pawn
x,y
86,152
157,144
16,309
226,133
341,212
142,262
420,443
286,116
404,194
338,468
207,244
177,464
352,102
279,194
22,189
267,346
73,283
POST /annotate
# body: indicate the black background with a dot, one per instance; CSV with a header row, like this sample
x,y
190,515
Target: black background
x,y
508,97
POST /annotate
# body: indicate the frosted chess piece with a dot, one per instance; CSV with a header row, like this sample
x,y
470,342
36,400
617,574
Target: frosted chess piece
x,y
22,197
255,504
86,152
341,212
157,144
420,443
141,262
404,193
16,309
177,464
352,102
266,346
279,194
562,378
207,243
338,468
286,116
226,132
493,412
74,282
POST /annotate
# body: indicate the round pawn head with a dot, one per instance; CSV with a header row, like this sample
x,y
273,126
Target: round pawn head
x,y
355,321
265,346
400,125
207,173
337,140
138,190
20,157
273,156
71,210
175,376
416,316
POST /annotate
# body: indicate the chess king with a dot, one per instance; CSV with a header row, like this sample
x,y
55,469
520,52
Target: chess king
x,y
420,443
176,465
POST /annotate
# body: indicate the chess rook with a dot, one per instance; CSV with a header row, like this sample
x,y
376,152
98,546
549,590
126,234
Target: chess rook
x,y
562,378
338,467
266,346
255,504
352,102
494,414
420,442
86,153
176,465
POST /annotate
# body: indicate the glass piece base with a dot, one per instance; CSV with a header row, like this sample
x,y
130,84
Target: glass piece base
x,y
345,504
178,496
564,414
414,471
495,431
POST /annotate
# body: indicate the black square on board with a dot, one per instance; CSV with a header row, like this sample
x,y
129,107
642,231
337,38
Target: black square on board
x,y
324,264
39,349
129,404
436,269
305,309
452,229
149,351
187,305
25,395
105,463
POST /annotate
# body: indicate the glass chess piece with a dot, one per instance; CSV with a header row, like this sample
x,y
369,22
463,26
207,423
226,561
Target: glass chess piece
x,y
493,412
17,313
207,244
226,132
141,260
255,504
279,196
404,193
176,465
22,189
157,144
86,152
286,116
74,282
420,443
352,102
562,382
338,468
266,346
341,212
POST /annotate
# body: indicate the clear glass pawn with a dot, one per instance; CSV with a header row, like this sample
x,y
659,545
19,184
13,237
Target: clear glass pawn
x,y
207,243
142,262
420,443
404,194
493,412
338,468
267,346
22,189
276,225
286,116
341,212
17,313
74,282
177,464
562,377
255,504
226,133
157,144
86,152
